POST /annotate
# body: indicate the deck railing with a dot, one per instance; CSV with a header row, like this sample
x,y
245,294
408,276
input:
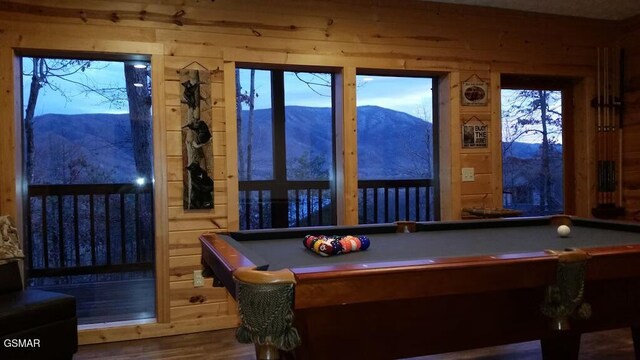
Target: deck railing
x,y
89,229
392,200
309,203
306,203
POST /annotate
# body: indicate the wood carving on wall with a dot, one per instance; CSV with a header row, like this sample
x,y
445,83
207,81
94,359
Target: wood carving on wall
x,y
197,151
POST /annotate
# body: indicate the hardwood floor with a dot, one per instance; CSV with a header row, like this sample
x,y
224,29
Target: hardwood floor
x,y
219,345
111,301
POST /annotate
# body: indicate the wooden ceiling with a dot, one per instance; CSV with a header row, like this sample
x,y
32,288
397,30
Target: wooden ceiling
x,y
596,9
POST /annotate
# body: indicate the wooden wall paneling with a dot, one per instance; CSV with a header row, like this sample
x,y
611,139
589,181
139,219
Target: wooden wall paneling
x,y
631,130
479,201
346,149
480,186
495,139
49,42
184,242
160,189
285,58
231,149
201,311
481,162
184,294
479,159
174,168
584,145
27,28
387,18
181,267
121,332
10,136
449,144
215,219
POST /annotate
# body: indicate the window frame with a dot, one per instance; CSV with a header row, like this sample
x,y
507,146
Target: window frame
x,y
565,86
435,81
279,184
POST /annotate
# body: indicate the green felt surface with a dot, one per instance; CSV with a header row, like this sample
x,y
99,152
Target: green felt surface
x,y
448,242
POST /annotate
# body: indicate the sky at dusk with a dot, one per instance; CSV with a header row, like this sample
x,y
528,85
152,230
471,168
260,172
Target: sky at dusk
x,y
407,94
100,74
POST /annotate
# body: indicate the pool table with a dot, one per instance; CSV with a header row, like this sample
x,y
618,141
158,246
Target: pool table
x,y
427,288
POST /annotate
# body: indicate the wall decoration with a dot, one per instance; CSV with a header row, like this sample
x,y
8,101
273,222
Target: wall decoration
x,y
475,92
197,151
475,133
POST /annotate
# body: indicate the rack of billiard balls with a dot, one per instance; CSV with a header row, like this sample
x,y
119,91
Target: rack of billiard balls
x,y
335,245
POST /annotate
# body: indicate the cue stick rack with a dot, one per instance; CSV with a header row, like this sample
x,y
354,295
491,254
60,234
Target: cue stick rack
x,y
608,106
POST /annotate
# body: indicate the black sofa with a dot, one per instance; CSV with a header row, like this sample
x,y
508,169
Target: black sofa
x,y
34,324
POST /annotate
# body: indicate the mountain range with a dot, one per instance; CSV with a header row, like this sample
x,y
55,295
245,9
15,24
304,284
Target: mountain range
x,y
96,148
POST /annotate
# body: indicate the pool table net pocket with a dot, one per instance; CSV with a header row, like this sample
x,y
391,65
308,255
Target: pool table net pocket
x,y
266,315
565,299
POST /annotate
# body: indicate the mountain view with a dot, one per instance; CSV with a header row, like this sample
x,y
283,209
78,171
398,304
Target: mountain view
x,y
96,148
385,137
523,150
83,149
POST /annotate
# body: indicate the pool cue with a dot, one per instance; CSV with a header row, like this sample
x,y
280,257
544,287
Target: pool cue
x,y
605,95
612,129
607,125
612,142
620,73
597,105
599,168
612,119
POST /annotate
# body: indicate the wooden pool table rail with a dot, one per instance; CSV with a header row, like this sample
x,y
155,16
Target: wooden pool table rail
x,y
357,283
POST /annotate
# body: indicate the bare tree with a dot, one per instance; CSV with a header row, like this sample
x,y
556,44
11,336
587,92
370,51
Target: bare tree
x,y
53,73
139,95
240,99
535,112
42,73
247,98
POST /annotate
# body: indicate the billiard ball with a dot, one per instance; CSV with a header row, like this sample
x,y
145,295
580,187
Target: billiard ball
x,y
365,242
564,230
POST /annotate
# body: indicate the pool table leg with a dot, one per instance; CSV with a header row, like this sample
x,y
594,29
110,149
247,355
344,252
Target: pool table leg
x,y
561,346
267,352
635,335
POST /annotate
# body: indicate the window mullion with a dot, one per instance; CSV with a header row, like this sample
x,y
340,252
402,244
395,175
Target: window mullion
x,y
279,196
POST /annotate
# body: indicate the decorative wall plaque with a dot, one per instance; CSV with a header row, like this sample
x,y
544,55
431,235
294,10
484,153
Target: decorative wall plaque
x,y
197,154
475,133
475,92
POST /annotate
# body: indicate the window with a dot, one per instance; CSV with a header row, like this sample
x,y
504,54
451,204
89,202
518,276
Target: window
x,y
396,149
88,169
285,148
534,155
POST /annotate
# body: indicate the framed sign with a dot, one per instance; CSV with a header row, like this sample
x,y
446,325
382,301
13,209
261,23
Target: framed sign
x,y
475,92
475,133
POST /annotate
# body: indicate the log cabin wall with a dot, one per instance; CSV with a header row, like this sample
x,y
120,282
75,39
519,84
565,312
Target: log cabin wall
x,y
453,42
631,118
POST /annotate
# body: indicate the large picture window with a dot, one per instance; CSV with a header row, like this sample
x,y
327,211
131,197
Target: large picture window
x,y
87,130
536,164
285,148
396,148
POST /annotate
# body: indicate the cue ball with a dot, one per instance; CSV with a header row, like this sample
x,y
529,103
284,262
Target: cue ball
x,y
564,230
